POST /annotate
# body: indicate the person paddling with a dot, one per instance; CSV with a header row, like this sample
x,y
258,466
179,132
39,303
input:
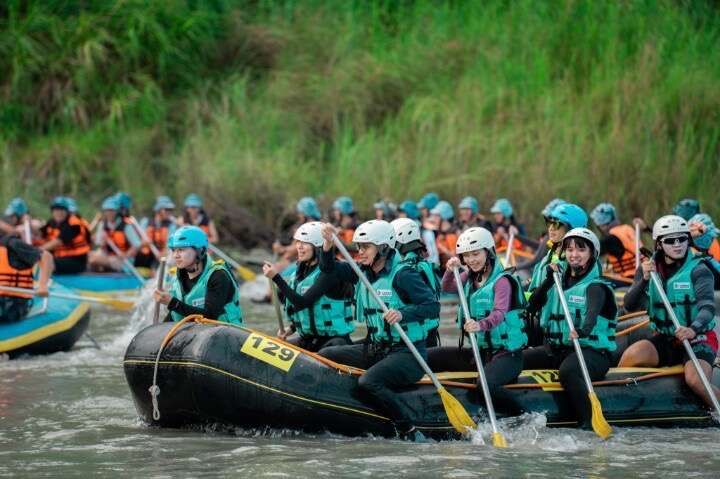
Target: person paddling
x,y
199,285
409,209
194,214
505,225
388,362
116,237
618,242
66,235
544,243
158,231
688,281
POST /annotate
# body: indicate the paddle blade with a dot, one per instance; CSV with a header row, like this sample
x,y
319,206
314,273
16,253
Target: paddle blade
x,y
245,273
599,424
458,416
498,440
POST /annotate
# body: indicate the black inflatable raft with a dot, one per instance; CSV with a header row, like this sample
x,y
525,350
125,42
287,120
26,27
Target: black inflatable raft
x,y
225,375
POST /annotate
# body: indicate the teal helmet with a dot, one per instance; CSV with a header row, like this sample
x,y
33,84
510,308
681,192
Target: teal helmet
x,y
428,201
687,208
308,208
470,203
60,203
603,214
344,204
502,206
163,203
388,209
551,206
444,210
410,209
17,207
570,215
189,237
111,203
72,204
124,200
704,241
193,201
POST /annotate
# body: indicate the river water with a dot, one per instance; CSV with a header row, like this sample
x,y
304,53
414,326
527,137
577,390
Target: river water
x,y
71,415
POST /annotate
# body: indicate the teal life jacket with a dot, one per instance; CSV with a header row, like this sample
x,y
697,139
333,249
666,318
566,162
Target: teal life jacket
x,y
196,296
510,334
681,293
557,331
367,309
427,271
327,317
539,272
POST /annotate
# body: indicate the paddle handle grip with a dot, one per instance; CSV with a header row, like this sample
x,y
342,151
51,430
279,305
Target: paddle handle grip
x,y
160,284
688,348
576,343
398,329
476,353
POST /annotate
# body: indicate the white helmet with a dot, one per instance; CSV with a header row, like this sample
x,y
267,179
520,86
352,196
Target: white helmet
x,y
377,232
670,224
406,230
474,239
310,233
585,234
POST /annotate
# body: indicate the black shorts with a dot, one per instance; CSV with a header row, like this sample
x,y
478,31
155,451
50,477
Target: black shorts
x,y
672,352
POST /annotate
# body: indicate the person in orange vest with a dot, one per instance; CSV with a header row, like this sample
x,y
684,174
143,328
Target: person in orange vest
x,y
618,242
505,224
114,230
65,235
17,259
442,221
15,215
158,231
195,215
704,235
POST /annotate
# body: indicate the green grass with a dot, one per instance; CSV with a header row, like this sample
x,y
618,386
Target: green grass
x,y
257,103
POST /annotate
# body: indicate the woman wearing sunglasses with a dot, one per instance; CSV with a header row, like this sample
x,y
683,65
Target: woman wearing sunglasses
x,y
689,285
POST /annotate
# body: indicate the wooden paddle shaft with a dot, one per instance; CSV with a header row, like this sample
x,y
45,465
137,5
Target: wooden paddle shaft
x,y
125,261
224,256
637,245
508,252
361,276
576,343
688,348
160,283
53,294
476,353
145,238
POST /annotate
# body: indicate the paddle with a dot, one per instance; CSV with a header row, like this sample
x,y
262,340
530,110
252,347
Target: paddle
x,y
498,439
637,245
115,303
95,222
456,413
145,237
599,424
508,252
245,273
276,301
26,231
129,268
688,349
160,282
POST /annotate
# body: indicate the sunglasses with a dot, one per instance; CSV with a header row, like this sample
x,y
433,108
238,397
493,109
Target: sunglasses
x,y
554,223
675,240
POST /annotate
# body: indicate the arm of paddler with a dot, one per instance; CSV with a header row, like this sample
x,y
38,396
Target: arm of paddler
x,y
596,297
309,297
219,292
704,283
448,281
341,270
501,305
416,294
636,297
538,298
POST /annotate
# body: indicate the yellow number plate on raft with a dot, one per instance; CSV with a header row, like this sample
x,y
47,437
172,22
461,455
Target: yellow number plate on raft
x,y
544,376
268,351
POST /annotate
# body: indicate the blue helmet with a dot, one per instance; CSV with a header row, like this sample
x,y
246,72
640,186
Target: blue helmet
x,y
603,214
571,215
444,210
308,208
188,237
193,201
388,209
687,208
551,206
344,204
72,204
704,241
124,200
17,207
410,209
111,203
163,203
60,203
429,201
502,206
470,203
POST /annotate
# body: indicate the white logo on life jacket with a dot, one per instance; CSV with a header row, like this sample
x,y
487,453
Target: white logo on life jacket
x,y
384,293
198,303
574,298
684,285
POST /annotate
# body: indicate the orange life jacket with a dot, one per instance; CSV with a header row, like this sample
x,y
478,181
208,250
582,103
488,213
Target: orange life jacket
x,y
14,278
501,244
79,244
118,236
346,236
159,237
446,243
714,250
625,265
